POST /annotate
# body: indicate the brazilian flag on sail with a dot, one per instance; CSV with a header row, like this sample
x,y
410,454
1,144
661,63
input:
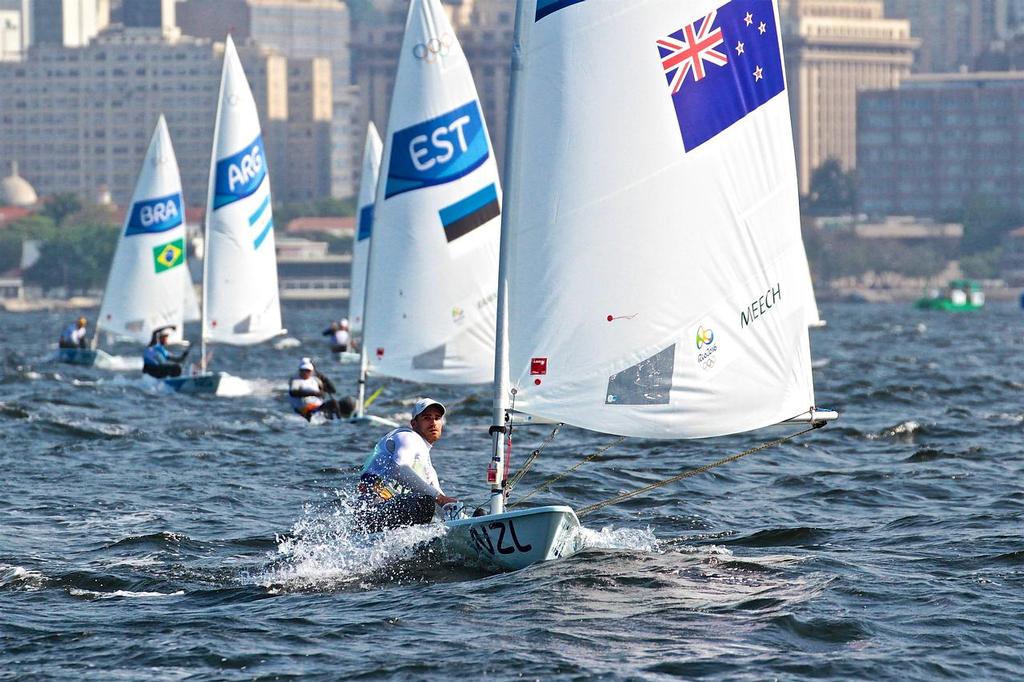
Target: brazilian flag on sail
x,y
169,255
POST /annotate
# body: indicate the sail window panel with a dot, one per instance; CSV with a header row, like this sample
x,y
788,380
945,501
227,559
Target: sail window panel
x,y
432,359
648,382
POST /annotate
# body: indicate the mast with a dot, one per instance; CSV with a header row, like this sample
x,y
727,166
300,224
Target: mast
x,y
501,419
364,360
210,189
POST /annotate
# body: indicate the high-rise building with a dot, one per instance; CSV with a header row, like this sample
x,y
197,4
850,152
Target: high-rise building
x,y
14,29
148,14
299,29
71,23
834,48
485,31
953,33
930,145
79,118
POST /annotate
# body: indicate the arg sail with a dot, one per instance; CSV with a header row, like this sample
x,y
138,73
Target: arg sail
x,y
241,304
657,279
431,288
149,279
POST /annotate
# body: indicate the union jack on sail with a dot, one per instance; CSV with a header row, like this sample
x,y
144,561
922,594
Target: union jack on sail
x,y
687,49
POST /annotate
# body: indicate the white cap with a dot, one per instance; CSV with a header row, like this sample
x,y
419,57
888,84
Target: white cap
x,y
344,323
424,403
306,363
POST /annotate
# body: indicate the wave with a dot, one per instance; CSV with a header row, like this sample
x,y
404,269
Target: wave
x,y
326,550
906,430
636,539
801,537
21,579
121,594
162,540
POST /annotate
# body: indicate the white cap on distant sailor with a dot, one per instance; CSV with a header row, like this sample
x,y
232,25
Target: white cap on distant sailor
x,y
424,403
306,363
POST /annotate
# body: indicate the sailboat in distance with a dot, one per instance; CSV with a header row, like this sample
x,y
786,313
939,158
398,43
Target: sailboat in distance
x,y
148,283
652,278
364,229
429,308
241,303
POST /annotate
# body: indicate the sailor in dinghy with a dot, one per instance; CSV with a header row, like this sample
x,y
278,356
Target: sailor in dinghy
x,y
398,485
157,361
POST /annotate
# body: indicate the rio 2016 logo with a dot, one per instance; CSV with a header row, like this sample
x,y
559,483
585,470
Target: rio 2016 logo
x,y
705,337
706,347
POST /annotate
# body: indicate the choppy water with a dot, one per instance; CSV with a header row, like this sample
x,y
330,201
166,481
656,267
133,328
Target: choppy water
x,y
145,535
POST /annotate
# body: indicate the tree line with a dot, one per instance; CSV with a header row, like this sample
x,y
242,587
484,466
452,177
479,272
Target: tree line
x,y
77,241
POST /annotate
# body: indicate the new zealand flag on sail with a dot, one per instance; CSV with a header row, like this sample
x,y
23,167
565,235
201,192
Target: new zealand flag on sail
x,y
721,67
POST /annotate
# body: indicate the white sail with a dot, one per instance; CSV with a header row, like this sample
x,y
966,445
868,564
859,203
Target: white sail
x,y
431,290
148,276
361,243
240,268
192,311
656,275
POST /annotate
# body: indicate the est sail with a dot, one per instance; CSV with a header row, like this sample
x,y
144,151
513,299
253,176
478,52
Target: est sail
x,y
431,289
657,280
241,304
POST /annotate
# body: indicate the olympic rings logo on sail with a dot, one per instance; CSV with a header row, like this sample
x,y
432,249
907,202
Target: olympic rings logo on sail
x,y
434,49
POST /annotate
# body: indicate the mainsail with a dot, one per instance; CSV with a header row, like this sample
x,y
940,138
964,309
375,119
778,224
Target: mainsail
x,y
241,304
149,276
657,281
430,304
364,229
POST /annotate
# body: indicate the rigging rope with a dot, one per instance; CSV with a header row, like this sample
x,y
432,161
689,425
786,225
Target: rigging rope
x,y
516,477
693,472
565,473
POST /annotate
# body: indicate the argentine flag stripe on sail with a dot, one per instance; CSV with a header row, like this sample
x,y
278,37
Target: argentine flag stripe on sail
x,y
259,211
464,216
263,235
546,7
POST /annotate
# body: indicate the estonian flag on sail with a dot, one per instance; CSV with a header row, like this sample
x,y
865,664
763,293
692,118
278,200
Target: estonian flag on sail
x,y
721,67
466,215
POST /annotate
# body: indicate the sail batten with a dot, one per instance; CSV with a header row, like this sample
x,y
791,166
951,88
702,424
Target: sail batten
x,y
430,292
658,284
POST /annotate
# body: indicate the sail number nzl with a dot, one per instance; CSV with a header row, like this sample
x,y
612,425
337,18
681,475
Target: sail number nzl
x,y
506,531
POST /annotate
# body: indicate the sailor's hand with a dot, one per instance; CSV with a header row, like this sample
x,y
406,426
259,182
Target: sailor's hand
x,y
442,500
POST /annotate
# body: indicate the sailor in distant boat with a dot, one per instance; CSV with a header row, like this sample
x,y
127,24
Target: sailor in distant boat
x,y
73,335
157,361
307,393
340,336
398,485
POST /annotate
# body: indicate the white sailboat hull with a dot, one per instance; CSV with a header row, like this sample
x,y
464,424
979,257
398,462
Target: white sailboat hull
x,y
373,420
515,539
85,357
205,384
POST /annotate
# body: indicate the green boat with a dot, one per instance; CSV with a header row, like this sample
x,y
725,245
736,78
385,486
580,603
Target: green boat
x,y
961,294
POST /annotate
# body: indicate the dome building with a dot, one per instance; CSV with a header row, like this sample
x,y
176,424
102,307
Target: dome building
x,y
16,191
